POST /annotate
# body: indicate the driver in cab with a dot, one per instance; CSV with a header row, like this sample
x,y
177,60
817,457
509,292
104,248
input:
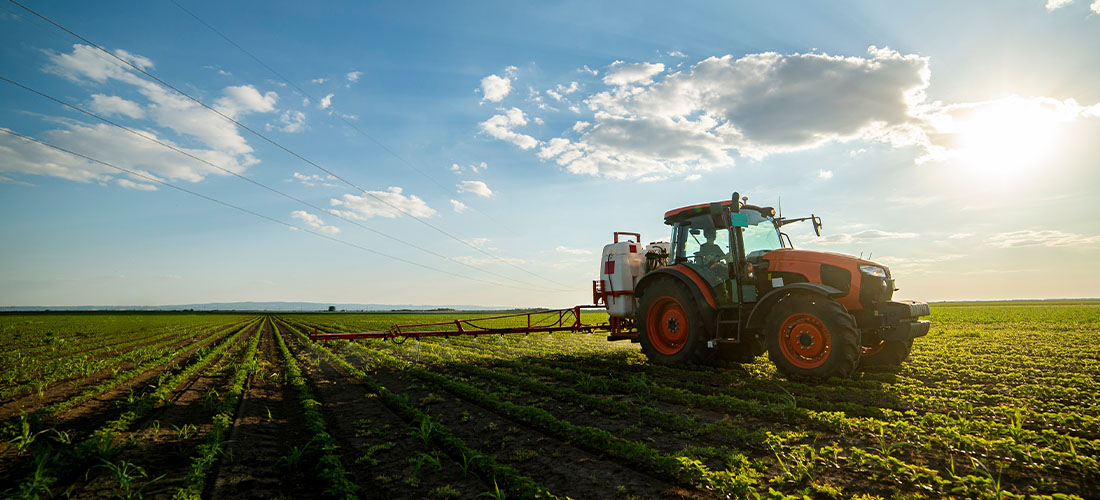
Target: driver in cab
x,y
710,255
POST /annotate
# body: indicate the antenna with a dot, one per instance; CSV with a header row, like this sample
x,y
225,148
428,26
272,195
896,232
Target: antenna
x,y
780,207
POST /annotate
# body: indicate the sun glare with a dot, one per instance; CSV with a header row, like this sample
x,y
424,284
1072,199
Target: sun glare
x,y
1007,137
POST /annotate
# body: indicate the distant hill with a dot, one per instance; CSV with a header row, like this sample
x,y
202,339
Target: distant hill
x,y
257,306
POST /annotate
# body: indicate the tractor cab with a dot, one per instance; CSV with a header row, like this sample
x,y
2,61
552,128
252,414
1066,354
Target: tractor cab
x,y
721,245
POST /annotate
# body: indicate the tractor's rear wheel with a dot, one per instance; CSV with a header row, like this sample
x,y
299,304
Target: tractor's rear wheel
x,y
812,336
672,328
885,354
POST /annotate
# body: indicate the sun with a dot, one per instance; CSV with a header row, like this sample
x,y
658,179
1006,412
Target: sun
x,y
1007,136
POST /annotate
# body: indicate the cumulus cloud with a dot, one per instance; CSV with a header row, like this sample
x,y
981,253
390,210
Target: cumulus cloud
x,y
495,88
390,204
1054,4
115,106
755,105
621,73
354,76
168,109
326,101
239,100
476,187
500,127
863,236
290,122
473,168
458,206
314,222
141,186
1041,238
109,144
313,179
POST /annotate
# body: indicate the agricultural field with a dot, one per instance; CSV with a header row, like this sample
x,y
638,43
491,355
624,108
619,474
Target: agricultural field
x,y
1000,400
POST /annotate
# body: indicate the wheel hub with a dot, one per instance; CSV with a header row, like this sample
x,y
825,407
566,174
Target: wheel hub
x,y
804,340
667,325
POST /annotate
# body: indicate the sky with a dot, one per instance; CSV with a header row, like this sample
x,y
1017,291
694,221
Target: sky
x,y
483,153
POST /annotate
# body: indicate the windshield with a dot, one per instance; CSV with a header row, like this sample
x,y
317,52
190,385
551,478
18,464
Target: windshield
x,y
760,235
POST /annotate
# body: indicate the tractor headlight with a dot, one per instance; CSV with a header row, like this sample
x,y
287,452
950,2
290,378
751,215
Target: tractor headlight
x,y
875,271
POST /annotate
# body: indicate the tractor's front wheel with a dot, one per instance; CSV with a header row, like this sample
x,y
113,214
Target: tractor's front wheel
x,y
671,327
812,336
885,354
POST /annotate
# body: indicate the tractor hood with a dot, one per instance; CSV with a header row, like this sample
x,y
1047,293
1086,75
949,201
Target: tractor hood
x,y
792,256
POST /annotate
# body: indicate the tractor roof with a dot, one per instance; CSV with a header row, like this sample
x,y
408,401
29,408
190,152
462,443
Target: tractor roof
x,y
702,208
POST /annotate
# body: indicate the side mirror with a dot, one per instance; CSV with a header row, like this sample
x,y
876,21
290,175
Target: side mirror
x,y
817,223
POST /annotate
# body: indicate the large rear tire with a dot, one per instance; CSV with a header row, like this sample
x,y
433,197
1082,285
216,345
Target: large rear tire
x,y
812,336
672,328
887,354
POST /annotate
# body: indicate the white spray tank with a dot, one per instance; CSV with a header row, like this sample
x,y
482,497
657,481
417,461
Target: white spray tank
x,y
621,266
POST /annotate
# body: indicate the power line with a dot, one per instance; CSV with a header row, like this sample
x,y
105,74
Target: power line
x,y
252,181
302,91
250,212
278,145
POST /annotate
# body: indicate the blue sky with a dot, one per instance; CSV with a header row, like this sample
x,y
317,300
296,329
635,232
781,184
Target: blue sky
x,y
954,142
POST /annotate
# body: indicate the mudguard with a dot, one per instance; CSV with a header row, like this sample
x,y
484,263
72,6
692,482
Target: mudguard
x,y
700,290
765,304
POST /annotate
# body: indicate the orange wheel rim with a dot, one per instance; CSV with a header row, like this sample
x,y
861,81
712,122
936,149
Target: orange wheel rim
x,y
804,340
667,325
873,349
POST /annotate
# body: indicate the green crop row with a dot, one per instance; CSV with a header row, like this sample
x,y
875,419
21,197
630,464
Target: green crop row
x,y
332,471
215,440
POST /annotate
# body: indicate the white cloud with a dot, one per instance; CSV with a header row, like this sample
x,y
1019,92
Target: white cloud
x,y
588,70
239,100
354,76
127,183
166,108
753,106
114,105
473,168
495,88
381,204
476,187
109,144
580,126
677,53
621,73
1095,7
825,174
458,206
326,101
574,251
863,236
290,122
1041,238
314,221
313,180
959,236
500,127
319,80
693,177
1054,4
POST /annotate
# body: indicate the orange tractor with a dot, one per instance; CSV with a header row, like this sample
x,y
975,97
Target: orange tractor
x,y
730,286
